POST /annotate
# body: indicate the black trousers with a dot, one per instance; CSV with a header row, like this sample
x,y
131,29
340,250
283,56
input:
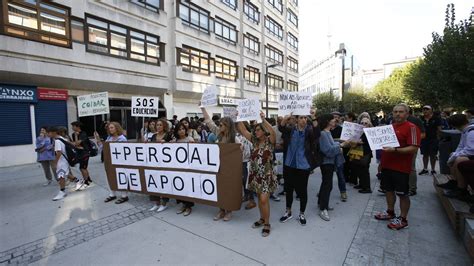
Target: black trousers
x,y
327,171
296,180
361,171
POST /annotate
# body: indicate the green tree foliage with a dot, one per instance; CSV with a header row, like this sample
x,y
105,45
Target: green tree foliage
x,y
392,90
357,101
445,76
326,103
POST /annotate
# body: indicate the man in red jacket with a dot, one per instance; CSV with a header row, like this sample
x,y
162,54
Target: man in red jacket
x,y
396,166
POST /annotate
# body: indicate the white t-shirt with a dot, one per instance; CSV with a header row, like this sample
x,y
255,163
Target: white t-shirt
x,y
62,168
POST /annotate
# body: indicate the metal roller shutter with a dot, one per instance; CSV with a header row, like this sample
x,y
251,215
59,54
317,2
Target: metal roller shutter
x,y
50,113
15,124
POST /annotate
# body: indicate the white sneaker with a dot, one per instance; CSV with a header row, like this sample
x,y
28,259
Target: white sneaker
x,y
79,185
47,183
324,215
61,195
84,187
162,208
154,208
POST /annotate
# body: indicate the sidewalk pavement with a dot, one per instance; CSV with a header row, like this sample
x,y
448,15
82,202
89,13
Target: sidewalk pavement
x,y
82,229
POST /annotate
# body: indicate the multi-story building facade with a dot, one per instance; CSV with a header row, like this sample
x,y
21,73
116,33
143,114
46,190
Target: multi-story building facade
x,y
55,51
322,76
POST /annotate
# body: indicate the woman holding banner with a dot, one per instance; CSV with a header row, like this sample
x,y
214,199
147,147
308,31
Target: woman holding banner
x,y
115,134
151,130
191,131
181,136
225,134
262,179
162,135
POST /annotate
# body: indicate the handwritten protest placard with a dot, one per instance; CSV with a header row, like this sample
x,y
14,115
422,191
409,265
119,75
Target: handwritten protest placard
x,y
380,137
145,106
230,111
93,104
298,103
351,131
209,96
248,109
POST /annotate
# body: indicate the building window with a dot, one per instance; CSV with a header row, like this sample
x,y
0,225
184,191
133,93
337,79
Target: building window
x,y
274,28
273,54
153,5
274,81
118,40
77,30
251,43
293,41
194,16
292,85
252,12
293,64
252,75
230,3
225,30
292,18
277,5
225,68
193,60
37,21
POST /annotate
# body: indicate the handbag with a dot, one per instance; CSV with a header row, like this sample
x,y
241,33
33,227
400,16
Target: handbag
x,y
357,157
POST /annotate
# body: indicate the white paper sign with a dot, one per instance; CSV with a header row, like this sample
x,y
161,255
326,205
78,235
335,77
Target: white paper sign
x,y
128,178
204,157
380,137
249,109
145,106
297,102
230,111
194,185
209,96
351,131
93,104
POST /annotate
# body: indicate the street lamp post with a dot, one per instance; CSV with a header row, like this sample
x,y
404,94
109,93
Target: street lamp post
x,y
266,86
342,52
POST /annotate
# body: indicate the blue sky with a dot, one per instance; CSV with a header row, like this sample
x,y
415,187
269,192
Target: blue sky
x,y
375,31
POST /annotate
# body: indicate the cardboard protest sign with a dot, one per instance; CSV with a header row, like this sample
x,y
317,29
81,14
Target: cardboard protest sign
x,y
93,104
248,109
199,172
380,137
230,111
145,106
298,103
351,131
209,96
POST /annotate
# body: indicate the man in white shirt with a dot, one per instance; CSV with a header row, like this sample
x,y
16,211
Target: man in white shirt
x,y
62,165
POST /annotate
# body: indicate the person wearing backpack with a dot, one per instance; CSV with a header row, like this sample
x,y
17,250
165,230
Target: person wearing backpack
x,y
83,145
62,165
115,133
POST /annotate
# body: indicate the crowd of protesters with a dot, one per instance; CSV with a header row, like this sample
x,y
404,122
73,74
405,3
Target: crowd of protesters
x,y
305,142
